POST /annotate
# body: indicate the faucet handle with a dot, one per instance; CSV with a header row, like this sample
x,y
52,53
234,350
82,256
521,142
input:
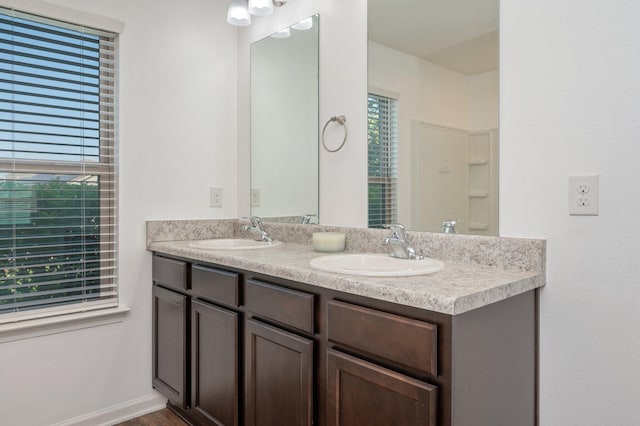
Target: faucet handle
x,y
398,231
255,221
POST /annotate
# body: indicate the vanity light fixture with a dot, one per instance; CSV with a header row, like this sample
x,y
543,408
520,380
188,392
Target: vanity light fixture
x,y
240,11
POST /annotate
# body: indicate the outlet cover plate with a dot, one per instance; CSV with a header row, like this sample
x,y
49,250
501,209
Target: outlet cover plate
x,y
215,197
255,197
583,195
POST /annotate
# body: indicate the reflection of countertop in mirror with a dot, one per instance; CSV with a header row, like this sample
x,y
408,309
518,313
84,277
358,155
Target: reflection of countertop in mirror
x,y
478,270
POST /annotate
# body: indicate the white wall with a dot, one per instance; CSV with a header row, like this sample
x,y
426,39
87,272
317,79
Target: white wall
x,y
570,104
484,93
177,138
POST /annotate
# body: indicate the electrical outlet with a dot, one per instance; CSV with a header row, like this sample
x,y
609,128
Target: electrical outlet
x,y
255,197
216,197
583,188
583,195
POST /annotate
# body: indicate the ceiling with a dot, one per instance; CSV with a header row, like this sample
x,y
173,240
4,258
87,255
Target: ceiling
x,y
459,34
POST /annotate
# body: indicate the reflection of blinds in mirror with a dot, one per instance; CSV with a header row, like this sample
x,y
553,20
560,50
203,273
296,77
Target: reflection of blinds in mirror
x,y
58,191
382,160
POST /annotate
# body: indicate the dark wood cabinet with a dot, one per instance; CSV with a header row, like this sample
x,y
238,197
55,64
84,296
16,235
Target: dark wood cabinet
x,y
235,348
364,394
214,363
279,377
170,310
196,342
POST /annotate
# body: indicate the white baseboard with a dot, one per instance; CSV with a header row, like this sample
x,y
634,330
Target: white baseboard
x,y
119,413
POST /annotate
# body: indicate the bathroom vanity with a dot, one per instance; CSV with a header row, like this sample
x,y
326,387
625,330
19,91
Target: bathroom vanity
x,y
257,337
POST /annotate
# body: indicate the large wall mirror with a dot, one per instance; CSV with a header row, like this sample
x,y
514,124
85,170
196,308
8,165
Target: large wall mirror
x,y
284,124
433,114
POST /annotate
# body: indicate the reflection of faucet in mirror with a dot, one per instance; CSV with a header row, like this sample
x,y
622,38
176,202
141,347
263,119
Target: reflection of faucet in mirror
x,y
398,243
448,227
256,228
306,219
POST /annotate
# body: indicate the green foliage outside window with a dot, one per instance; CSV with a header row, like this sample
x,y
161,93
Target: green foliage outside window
x,y
378,161
374,145
51,244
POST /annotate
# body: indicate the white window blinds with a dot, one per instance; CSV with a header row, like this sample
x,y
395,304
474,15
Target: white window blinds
x,y
382,160
58,180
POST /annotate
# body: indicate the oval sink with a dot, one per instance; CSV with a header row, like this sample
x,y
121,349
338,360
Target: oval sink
x,y
232,244
375,265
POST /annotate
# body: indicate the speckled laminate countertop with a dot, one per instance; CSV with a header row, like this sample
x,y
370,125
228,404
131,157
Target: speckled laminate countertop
x,y
463,285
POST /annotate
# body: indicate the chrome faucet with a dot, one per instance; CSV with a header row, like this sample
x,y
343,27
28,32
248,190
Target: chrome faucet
x,y
256,228
448,227
398,243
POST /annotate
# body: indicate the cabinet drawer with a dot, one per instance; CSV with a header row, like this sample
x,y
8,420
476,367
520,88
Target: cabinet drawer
x,y
169,273
361,393
283,305
405,341
215,285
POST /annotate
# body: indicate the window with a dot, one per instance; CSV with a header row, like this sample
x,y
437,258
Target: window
x,y
58,179
382,160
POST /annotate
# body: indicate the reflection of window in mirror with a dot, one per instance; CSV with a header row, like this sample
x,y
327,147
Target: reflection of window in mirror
x,y
382,142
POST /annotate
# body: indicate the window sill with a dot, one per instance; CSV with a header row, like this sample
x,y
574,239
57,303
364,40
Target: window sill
x,y
60,324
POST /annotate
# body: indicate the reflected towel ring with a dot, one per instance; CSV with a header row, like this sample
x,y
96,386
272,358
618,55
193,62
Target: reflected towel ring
x,y
342,120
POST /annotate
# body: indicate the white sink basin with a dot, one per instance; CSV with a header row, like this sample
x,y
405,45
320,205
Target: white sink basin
x,y
375,265
232,244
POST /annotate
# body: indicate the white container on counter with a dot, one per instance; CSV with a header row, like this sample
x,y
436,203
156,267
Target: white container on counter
x,y
328,241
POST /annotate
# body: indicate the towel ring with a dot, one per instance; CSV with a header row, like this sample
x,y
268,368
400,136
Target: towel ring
x,y
342,120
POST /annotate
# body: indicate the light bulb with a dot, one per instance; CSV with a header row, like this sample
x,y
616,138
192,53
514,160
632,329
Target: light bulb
x,y
260,7
238,14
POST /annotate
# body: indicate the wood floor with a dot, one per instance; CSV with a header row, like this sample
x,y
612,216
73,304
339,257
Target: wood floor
x,y
164,417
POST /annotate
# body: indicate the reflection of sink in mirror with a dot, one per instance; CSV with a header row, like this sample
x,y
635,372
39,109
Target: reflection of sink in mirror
x,y
232,244
375,265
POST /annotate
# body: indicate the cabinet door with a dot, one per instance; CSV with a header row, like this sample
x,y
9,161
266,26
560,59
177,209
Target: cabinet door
x,y
170,344
279,377
214,363
363,394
